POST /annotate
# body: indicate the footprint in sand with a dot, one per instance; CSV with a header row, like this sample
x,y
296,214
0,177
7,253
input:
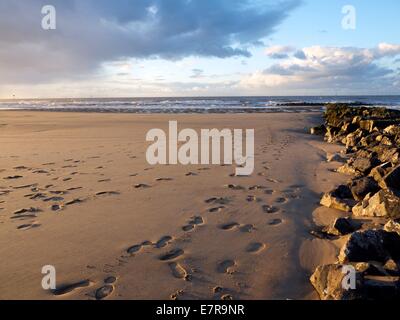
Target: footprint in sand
x,y
29,210
235,187
191,174
257,187
56,207
179,271
248,228
216,209
107,193
171,255
104,292
28,226
226,266
75,201
275,222
229,226
270,209
134,249
281,200
163,242
217,200
141,186
164,179
55,199
13,177
255,247
195,221
64,289
252,199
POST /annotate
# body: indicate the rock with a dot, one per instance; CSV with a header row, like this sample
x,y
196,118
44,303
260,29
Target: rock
x,y
392,226
347,170
361,187
382,204
391,180
327,281
319,130
342,226
335,157
353,138
386,154
340,199
367,125
379,172
330,283
364,165
371,245
392,266
392,130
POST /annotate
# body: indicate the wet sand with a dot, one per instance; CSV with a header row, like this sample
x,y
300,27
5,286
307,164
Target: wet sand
x,y
77,193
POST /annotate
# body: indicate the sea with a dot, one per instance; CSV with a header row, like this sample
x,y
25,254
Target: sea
x,y
198,104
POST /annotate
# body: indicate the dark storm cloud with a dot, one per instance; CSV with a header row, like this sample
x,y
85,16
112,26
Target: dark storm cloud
x,y
90,32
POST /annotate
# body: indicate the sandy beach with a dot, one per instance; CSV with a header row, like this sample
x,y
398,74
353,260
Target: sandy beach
x,y
77,193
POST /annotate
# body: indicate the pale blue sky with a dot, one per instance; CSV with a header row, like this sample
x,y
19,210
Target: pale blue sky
x,y
201,47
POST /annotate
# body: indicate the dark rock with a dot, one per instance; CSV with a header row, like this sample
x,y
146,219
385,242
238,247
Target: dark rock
x,y
319,130
364,165
341,199
391,180
342,226
361,187
371,245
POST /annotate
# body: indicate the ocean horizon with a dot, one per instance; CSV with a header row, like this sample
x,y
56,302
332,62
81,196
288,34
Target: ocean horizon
x,y
234,104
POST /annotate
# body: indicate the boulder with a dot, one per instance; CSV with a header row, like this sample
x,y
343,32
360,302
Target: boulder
x,y
340,199
392,226
363,186
328,282
342,226
348,170
371,245
383,204
353,138
392,130
364,165
391,181
319,130
367,125
379,172
335,157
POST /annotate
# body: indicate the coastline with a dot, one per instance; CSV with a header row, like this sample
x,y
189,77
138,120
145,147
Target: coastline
x,y
118,215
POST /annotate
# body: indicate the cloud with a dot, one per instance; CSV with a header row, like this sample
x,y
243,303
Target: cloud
x,y
92,32
197,73
279,52
324,68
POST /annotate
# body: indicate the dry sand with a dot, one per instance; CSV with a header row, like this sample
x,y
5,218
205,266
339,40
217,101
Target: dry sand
x,y
163,240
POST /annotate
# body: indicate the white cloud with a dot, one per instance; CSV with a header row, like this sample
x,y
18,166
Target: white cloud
x,y
324,68
279,52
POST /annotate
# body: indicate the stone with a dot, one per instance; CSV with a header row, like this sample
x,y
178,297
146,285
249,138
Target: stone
x,y
364,165
383,204
392,226
327,281
335,157
363,186
379,172
319,130
342,226
353,138
391,180
371,245
330,283
347,170
340,199
392,130
367,125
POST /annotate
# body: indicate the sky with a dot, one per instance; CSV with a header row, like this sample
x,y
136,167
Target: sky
x,y
145,48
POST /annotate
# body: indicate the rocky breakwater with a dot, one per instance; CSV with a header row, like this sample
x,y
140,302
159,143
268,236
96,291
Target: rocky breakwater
x,y
371,228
